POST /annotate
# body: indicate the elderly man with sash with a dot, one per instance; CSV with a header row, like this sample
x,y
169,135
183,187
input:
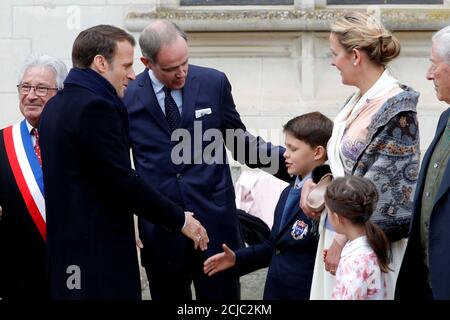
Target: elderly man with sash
x,y
22,221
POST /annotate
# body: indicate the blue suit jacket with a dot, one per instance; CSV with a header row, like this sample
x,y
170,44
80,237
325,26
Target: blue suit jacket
x,y
290,261
411,282
196,185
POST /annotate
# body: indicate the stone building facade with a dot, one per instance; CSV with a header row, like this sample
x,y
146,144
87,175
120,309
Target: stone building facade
x,y
275,52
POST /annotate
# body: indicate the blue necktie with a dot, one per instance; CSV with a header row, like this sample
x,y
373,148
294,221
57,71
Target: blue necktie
x,y
172,114
290,206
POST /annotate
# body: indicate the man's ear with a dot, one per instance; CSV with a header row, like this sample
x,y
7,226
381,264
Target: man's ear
x,y
146,62
100,64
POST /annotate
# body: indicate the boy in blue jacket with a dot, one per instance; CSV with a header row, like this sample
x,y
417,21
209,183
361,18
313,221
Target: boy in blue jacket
x,y
291,250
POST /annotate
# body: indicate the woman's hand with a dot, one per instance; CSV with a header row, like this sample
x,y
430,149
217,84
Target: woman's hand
x,y
306,189
332,256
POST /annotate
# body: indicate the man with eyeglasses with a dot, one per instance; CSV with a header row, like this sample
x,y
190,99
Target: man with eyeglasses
x,y
22,222
425,270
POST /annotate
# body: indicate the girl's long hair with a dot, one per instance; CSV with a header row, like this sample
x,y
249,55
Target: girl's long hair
x,y
355,198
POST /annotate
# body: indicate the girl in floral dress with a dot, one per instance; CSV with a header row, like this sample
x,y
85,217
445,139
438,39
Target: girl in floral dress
x,y
362,269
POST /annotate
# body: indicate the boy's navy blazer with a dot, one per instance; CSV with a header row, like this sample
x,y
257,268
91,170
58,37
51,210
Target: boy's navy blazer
x,y
290,261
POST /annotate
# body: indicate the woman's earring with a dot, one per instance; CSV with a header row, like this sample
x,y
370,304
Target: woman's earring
x,y
354,63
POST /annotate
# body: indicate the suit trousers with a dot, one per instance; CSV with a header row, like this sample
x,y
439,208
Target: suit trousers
x,y
174,284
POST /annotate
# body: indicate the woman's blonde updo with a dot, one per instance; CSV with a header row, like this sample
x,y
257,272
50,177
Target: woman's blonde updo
x,y
356,30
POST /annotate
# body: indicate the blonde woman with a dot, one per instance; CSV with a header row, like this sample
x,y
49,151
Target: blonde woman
x,y
375,135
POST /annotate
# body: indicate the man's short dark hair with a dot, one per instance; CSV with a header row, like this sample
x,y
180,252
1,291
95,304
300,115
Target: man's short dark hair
x,y
312,128
98,40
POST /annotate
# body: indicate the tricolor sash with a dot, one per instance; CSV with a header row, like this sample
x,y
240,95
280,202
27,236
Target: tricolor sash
x,y
27,171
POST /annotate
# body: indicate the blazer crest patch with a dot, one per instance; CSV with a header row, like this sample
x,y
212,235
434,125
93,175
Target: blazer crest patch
x,y
299,230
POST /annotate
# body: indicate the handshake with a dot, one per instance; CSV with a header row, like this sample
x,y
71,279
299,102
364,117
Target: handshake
x,y
195,231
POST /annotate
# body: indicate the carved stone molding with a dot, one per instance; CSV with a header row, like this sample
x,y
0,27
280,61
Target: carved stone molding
x,y
245,44
407,18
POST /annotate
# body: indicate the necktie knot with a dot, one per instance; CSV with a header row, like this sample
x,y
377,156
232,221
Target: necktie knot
x,y
166,90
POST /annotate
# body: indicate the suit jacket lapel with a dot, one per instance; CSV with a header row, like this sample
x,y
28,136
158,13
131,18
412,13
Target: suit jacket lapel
x,y
190,92
148,99
288,223
445,184
279,213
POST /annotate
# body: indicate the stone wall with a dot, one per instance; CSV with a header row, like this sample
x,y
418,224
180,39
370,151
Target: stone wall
x,y
276,57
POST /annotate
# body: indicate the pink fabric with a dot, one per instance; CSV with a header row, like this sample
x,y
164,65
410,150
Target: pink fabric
x,y
355,135
257,193
359,276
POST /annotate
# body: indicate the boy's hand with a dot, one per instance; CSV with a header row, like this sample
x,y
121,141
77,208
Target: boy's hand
x,y
220,261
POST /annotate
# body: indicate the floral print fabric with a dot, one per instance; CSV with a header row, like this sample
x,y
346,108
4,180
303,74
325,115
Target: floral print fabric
x,y
358,276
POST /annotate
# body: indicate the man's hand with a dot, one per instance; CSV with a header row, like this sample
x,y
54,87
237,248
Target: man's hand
x,y
194,230
139,243
220,261
306,189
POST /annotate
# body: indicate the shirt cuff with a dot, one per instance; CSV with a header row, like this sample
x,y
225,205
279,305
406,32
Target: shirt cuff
x,y
184,224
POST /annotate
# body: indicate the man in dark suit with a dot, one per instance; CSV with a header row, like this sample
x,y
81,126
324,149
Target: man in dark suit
x,y
91,190
22,220
425,272
180,116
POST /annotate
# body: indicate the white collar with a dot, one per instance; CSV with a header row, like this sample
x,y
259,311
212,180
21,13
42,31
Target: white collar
x,y
157,85
360,243
29,126
349,113
299,182
384,83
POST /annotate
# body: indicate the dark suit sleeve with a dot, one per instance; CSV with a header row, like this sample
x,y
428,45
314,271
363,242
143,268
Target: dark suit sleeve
x,y
253,257
259,256
103,137
244,147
